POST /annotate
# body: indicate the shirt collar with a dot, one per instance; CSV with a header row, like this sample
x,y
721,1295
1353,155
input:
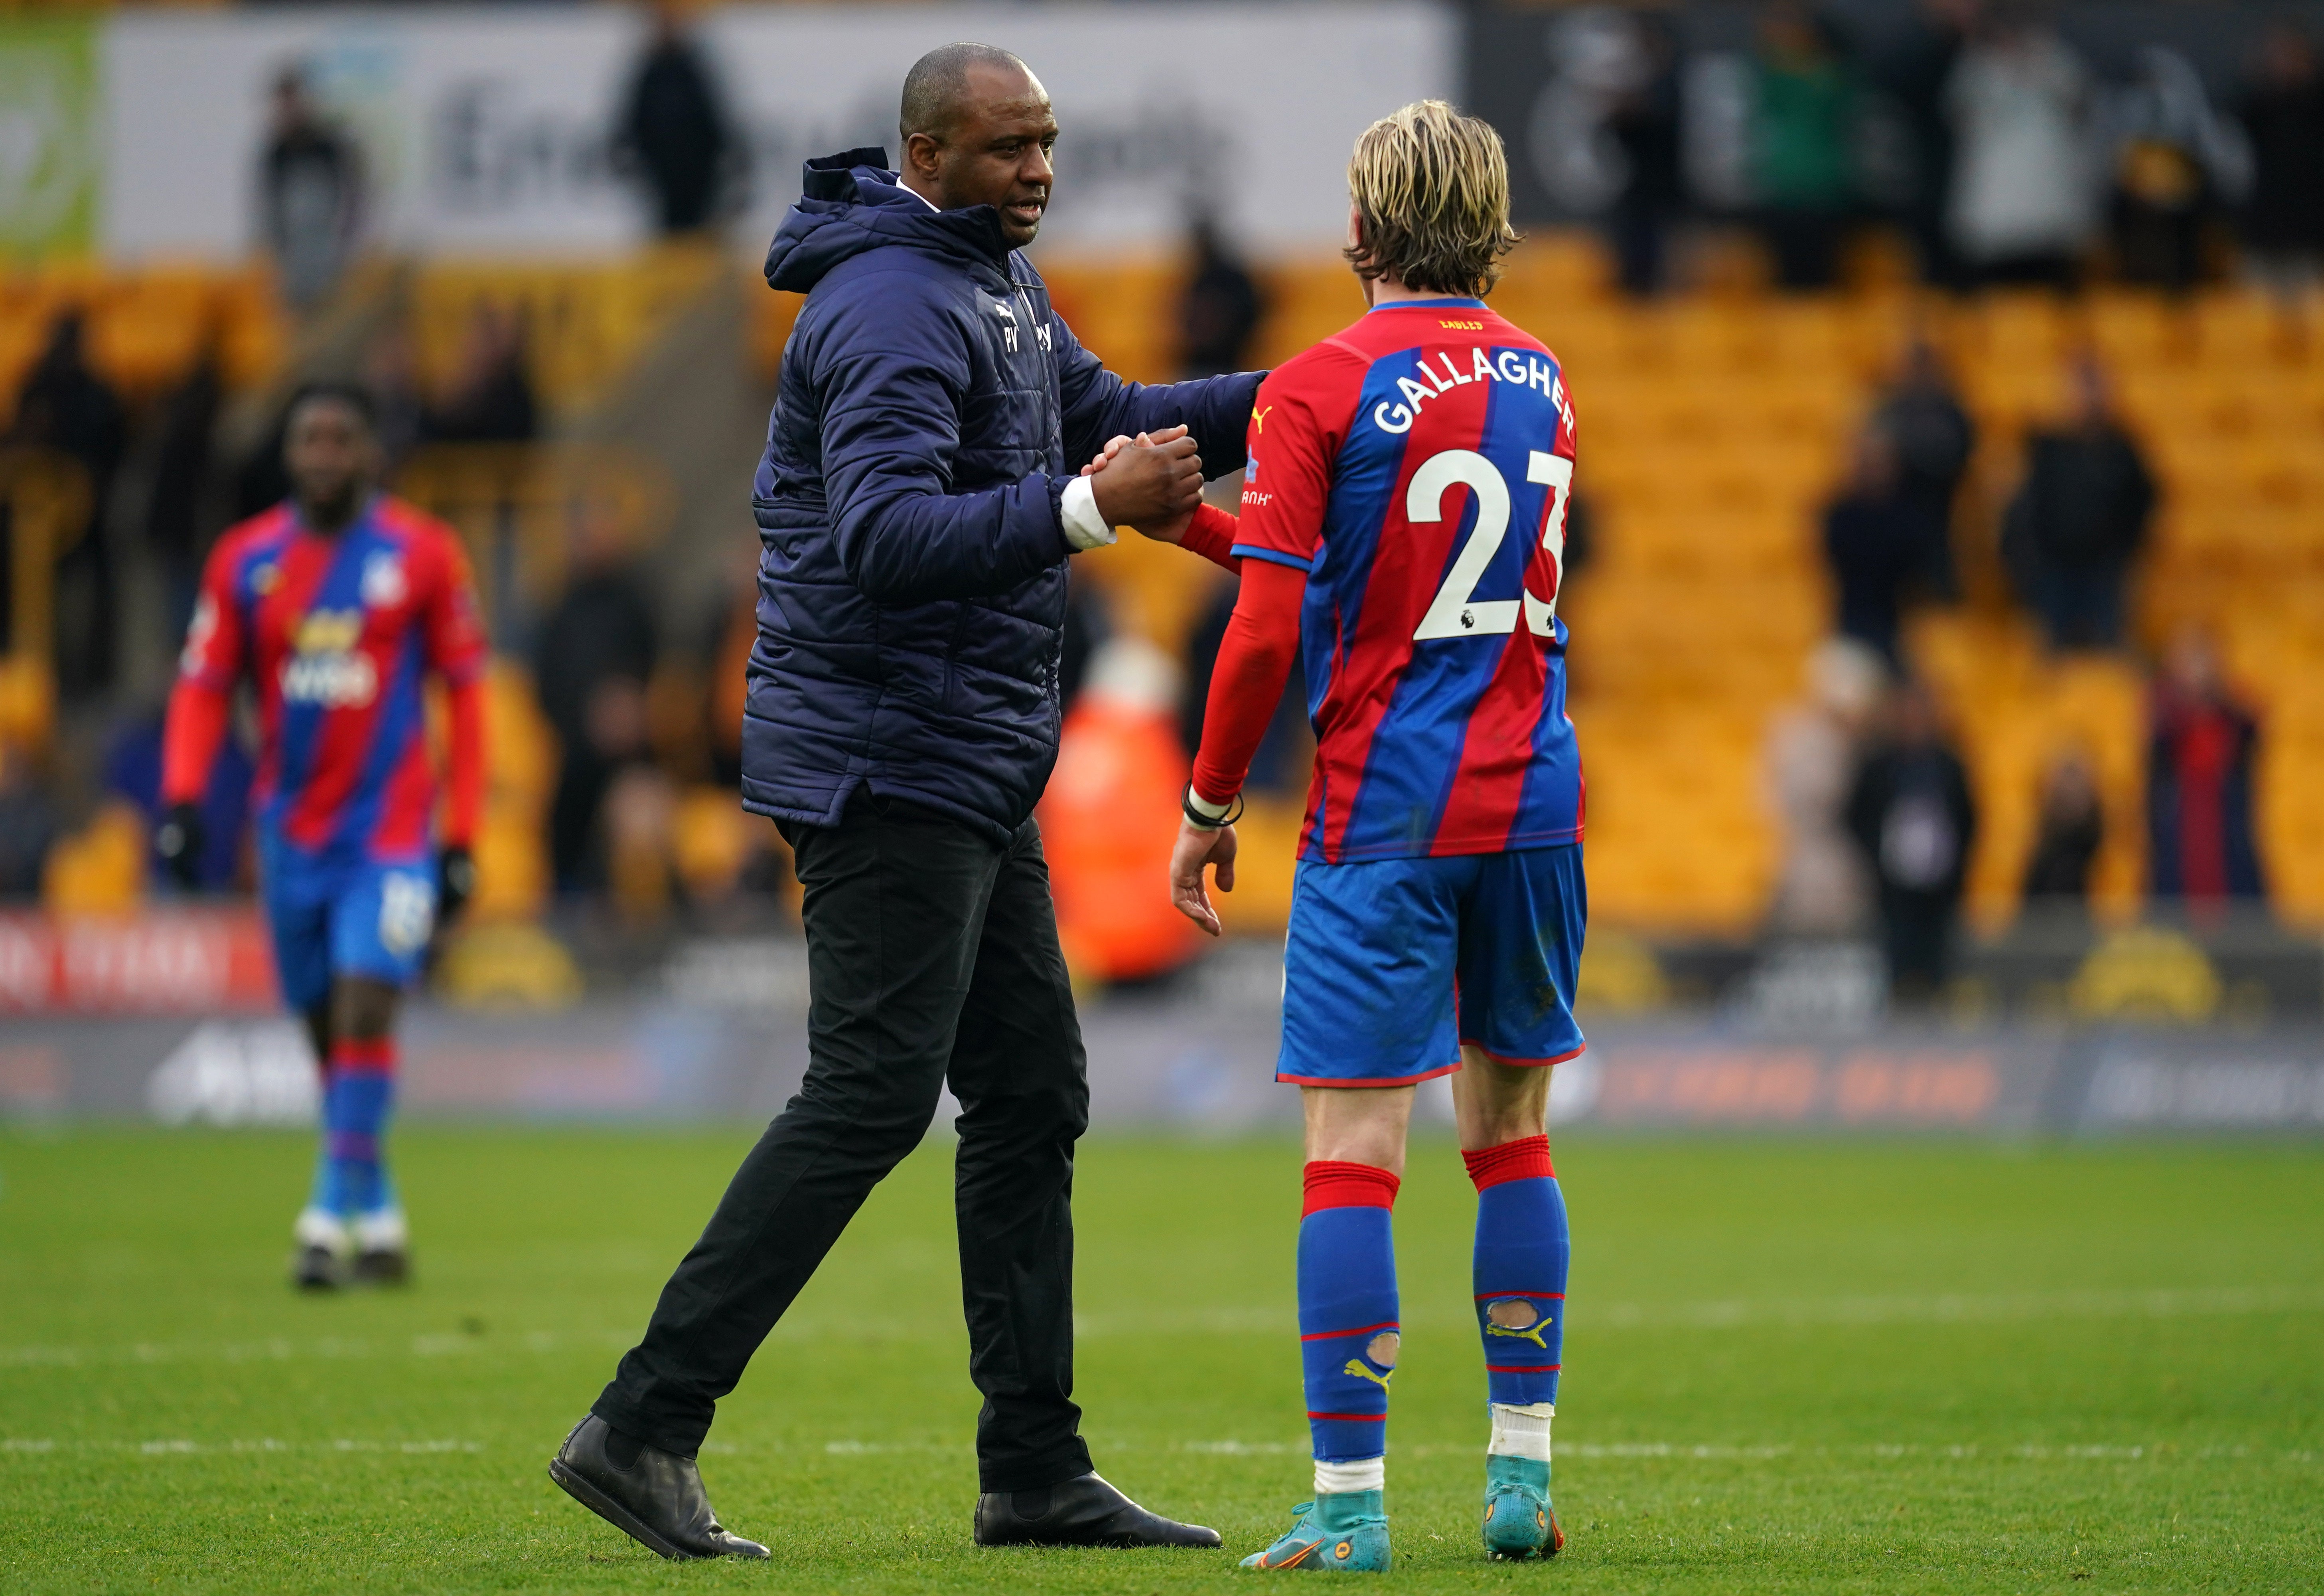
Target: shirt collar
x,y
1429,304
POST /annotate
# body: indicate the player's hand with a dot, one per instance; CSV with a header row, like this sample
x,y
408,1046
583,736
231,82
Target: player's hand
x,y
1153,487
1195,849
179,841
1122,440
456,882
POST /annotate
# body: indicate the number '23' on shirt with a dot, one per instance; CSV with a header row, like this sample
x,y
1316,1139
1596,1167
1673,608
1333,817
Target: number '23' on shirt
x,y
1418,466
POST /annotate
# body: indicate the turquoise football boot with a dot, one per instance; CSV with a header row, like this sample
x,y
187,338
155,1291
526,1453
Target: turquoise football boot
x,y
1518,1521
1344,1531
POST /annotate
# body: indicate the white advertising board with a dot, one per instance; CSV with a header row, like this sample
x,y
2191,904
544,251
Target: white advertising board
x,y
488,129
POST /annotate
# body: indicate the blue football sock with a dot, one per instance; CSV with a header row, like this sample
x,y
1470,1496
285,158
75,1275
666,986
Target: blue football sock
x,y
355,1106
1519,1270
1348,1330
329,1193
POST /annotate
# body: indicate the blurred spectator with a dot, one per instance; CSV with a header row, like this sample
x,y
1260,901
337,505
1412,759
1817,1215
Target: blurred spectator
x,y
2067,835
67,407
2078,518
1580,539
593,657
1923,416
2174,160
674,129
311,189
2283,116
2201,848
1644,121
1106,817
2024,203
1914,72
387,373
1812,749
132,770
1221,311
490,399
259,481
1803,160
1087,628
183,513
1911,815
1879,540
730,687
29,827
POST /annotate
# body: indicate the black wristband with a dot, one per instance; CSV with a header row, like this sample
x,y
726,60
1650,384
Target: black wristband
x,y
1202,822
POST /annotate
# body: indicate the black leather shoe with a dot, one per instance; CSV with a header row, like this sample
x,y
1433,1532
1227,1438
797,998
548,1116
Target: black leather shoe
x,y
657,1501
1084,1511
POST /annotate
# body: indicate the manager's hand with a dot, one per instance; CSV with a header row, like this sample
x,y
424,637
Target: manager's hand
x,y
1152,483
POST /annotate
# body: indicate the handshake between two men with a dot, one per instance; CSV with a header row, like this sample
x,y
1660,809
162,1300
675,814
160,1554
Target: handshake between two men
x,y
1151,483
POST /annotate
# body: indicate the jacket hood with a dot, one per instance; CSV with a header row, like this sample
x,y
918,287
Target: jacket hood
x,y
851,202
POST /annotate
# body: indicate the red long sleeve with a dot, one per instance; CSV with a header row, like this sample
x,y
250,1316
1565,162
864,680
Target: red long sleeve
x,y
191,737
1262,638
1212,535
464,787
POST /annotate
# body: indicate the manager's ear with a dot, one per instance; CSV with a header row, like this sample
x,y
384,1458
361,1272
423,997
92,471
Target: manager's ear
x,y
923,156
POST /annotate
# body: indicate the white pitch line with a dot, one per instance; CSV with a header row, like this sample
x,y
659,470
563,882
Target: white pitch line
x,y
178,1446
1840,1311
2158,1452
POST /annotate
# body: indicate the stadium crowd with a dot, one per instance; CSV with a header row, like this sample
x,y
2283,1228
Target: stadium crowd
x,y
2010,164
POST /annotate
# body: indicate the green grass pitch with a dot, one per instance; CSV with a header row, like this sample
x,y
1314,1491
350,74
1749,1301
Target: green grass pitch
x,y
1793,1365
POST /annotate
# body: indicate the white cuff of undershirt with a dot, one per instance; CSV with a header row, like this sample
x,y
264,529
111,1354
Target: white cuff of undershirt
x,y
1084,527
1205,808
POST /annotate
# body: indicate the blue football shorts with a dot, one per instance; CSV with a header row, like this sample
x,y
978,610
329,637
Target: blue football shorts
x,y
334,915
1394,964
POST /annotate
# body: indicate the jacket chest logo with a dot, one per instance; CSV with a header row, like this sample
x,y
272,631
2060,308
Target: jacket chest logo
x,y
1009,328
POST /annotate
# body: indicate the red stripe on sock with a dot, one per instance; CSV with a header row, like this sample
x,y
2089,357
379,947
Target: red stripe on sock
x,y
1537,1295
1329,1183
1335,1335
1356,1418
376,1053
1525,1158
1523,1367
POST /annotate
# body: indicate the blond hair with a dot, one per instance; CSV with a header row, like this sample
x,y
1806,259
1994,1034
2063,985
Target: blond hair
x,y
1433,189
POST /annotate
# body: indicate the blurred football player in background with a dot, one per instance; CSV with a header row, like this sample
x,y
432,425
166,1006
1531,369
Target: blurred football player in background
x,y
337,604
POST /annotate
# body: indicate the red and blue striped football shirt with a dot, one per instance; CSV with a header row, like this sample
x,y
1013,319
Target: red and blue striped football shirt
x,y
338,634
1418,468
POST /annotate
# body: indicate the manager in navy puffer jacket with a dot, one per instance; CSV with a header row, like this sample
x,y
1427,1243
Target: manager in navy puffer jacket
x,y
934,410
917,505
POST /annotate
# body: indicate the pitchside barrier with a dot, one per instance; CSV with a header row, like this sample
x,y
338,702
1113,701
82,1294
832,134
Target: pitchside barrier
x,y
175,1021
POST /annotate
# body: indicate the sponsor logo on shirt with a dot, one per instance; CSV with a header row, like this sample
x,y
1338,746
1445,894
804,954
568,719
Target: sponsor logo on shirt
x,y
325,669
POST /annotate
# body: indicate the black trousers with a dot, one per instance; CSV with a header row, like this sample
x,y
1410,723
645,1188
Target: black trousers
x,y
932,957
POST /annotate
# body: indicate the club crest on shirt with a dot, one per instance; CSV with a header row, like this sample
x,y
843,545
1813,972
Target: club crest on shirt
x,y
383,585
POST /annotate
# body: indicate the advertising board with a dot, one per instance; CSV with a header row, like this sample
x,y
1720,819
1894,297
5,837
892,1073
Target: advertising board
x,y
489,130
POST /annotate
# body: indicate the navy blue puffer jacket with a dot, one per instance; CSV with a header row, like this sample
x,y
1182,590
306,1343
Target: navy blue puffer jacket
x,y
912,585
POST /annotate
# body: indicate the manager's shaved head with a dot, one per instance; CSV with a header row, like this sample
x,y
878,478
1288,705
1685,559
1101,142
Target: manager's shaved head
x,y
936,88
977,131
